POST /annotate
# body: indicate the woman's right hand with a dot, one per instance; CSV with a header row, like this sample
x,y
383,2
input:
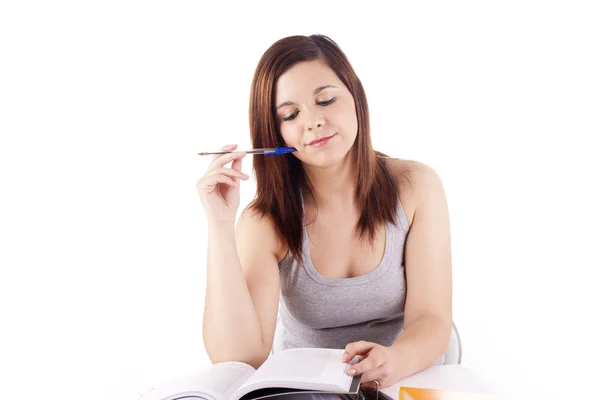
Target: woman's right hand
x,y
219,187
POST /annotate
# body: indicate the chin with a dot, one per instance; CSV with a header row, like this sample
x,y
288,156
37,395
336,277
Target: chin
x,y
324,159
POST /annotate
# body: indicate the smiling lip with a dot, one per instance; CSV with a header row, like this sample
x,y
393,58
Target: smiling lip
x,y
323,139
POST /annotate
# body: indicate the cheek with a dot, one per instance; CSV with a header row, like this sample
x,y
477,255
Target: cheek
x,y
347,119
290,133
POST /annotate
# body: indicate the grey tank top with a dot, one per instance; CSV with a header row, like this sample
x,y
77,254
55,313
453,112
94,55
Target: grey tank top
x,y
317,311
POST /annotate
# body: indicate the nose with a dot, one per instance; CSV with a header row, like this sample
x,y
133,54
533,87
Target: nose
x,y
316,122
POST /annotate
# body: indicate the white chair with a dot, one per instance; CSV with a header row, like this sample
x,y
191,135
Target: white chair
x,y
453,354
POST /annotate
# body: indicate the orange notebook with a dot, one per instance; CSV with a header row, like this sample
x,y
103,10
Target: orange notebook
x,y
410,393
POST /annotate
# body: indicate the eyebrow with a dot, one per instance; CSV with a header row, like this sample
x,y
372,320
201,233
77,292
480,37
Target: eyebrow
x,y
315,92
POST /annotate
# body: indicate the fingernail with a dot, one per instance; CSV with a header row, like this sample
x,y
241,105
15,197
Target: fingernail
x,y
344,357
352,371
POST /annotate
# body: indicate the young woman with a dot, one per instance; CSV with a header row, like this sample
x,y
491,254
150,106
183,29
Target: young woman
x,y
354,245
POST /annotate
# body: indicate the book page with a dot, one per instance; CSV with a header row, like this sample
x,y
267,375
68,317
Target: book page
x,y
223,379
215,382
304,368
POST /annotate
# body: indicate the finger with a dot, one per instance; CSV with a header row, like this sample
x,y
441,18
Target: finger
x,y
210,184
227,147
237,164
357,348
225,180
229,172
368,364
224,159
369,376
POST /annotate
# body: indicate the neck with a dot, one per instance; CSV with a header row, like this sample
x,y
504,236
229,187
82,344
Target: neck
x,y
333,186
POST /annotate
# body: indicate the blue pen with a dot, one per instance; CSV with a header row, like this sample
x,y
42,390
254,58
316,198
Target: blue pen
x,y
273,151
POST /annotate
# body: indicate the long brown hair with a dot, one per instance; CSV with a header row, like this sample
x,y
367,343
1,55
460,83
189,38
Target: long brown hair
x,y
280,178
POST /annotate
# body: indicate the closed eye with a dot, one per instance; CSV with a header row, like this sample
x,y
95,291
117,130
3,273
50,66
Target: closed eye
x,y
326,102
289,117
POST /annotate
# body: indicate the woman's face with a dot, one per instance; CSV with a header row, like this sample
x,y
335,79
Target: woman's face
x,y
315,113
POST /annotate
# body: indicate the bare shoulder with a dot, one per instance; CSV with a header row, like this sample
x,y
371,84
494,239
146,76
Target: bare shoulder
x,y
417,183
255,230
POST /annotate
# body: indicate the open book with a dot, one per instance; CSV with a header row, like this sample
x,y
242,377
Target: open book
x,y
285,373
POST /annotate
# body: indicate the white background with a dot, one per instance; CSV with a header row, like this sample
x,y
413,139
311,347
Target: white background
x,y
104,106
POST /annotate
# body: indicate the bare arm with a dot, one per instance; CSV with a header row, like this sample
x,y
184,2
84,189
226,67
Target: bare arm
x,y
242,291
428,309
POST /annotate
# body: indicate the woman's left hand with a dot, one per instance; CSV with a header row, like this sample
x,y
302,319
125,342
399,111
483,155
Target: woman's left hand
x,y
379,363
